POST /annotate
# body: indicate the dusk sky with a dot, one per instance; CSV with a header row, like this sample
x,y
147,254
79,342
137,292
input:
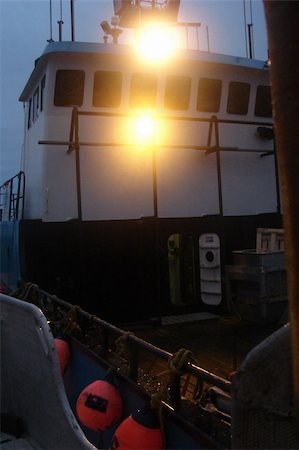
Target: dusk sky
x,y
25,29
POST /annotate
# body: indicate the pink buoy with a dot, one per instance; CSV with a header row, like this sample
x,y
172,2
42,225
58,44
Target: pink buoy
x,y
64,353
138,432
99,406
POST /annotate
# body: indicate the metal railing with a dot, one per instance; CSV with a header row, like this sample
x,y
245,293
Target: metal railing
x,y
74,143
43,299
12,197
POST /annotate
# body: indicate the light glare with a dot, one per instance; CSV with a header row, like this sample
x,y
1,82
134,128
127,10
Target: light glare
x,y
144,130
156,43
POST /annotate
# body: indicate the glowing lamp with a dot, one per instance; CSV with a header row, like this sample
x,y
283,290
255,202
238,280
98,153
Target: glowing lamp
x,y
144,128
156,43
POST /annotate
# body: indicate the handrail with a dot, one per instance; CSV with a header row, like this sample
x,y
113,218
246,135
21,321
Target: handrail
x,y
12,198
190,368
74,144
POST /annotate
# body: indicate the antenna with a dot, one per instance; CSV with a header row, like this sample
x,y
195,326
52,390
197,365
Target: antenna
x,y
245,29
248,31
72,21
208,37
251,28
51,35
60,22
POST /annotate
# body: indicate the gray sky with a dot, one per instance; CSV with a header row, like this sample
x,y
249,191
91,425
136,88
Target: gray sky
x,y
25,29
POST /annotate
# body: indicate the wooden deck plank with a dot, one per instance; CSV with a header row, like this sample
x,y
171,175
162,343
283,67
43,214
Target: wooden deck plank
x,y
218,345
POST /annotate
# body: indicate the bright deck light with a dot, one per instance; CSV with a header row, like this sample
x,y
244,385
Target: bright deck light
x,y
156,43
144,130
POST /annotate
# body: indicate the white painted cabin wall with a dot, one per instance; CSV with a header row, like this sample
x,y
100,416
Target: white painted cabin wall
x,y
116,182
248,184
59,187
32,165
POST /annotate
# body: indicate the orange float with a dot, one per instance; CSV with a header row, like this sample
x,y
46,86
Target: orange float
x,y
99,405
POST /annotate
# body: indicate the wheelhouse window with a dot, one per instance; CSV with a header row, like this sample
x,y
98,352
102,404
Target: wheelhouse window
x,y
177,92
107,88
69,88
238,97
42,92
35,105
143,90
29,122
263,105
209,95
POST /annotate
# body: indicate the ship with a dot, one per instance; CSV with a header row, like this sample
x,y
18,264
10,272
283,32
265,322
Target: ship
x,y
136,174
143,193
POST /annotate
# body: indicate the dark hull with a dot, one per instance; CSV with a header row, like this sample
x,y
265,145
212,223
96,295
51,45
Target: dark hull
x,y
111,268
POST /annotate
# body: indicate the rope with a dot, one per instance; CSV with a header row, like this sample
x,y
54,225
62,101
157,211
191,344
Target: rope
x,y
23,292
122,345
176,368
68,325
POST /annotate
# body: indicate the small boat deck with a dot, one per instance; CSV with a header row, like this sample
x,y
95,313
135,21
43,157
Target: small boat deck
x,y
219,345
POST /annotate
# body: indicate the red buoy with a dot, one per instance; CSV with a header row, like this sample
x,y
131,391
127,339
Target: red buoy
x,y
99,406
64,353
138,432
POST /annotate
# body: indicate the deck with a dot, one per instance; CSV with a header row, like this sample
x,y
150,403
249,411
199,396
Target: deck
x,y
219,345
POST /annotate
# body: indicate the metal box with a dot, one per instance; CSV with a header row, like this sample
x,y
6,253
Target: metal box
x,y
256,285
252,258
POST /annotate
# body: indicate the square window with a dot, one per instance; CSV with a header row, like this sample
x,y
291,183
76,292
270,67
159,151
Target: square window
x,y
209,95
263,105
143,90
69,88
177,92
107,89
238,98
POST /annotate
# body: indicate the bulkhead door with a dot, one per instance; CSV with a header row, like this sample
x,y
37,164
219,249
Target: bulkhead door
x,y
210,269
181,269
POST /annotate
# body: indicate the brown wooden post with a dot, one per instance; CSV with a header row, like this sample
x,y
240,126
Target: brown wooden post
x,y
282,18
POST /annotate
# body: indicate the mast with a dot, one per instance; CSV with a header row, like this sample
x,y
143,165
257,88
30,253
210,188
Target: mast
x,y
72,21
282,18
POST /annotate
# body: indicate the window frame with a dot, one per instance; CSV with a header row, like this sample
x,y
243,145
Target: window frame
x,y
269,115
234,91
169,85
106,104
216,109
59,98
134,103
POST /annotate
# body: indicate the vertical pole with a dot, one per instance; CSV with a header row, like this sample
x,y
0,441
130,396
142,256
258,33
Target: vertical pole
x,y
215,121
77,153
251,22
250,39
23,194
72,21
51,27
282,21
197,37
18,197
154,173
277,177
60,22
10,199
60,30
156,223
208,38
245,29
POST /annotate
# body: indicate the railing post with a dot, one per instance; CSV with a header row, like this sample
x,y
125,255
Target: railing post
x,y
175,391
10,198
133,362
18,197
75,145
